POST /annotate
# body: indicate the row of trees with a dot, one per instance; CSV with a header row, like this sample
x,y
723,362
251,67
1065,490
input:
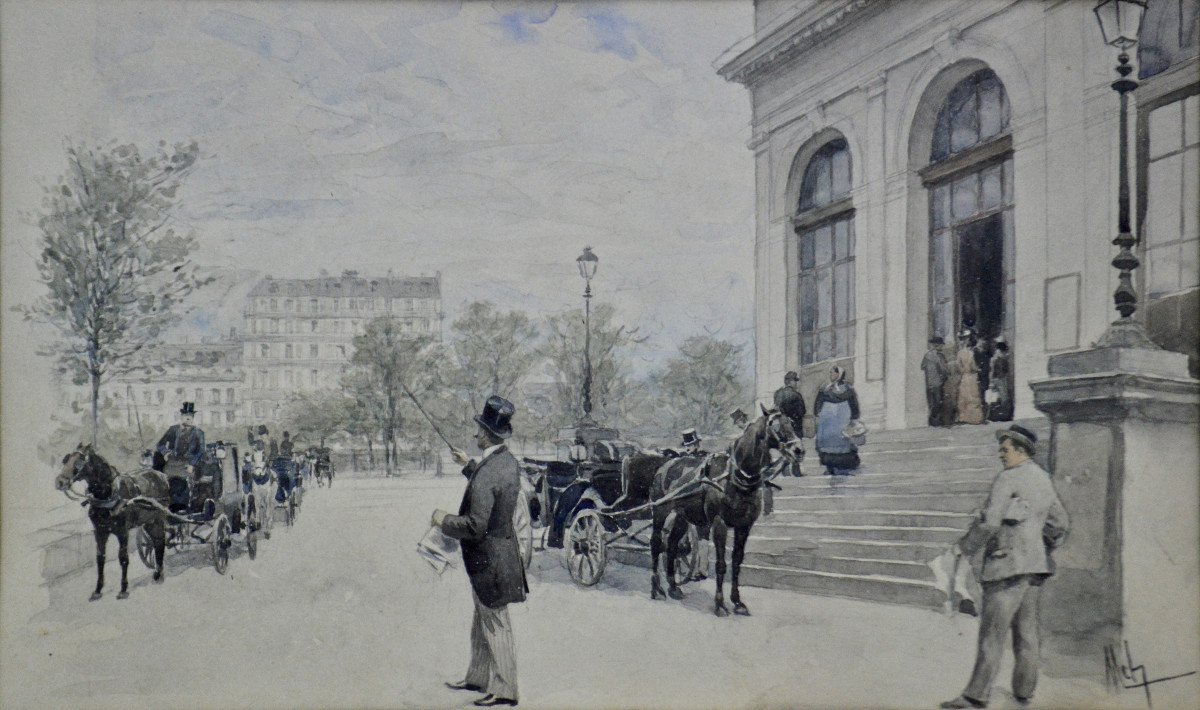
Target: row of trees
x,y
117,274
537,365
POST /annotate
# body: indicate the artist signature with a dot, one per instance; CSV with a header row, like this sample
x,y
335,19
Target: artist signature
x,y
1127,675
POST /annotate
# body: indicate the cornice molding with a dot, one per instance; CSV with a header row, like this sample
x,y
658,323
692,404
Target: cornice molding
x,y
792,39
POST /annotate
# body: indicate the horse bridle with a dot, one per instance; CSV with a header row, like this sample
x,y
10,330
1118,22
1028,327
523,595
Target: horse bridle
x,y
108,503
747,482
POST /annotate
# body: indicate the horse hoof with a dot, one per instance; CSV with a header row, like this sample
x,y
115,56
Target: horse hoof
x,y
721,611
741,610
158,577
675,593
122,594
94,597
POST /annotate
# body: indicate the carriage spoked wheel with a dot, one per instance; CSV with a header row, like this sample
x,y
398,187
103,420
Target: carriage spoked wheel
x,y
687,556
219,544
523,529
145,548
586,547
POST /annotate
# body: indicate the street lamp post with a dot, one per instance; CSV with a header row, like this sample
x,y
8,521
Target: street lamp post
x,y
587,263
1120,22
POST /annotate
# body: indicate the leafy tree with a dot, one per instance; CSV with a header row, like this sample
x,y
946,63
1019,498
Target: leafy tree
x,y
494,351
611,379
389,364
703,383
315,416
114,270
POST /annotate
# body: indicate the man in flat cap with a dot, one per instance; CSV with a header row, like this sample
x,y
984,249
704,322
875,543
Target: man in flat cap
x,y
1022,523
484,525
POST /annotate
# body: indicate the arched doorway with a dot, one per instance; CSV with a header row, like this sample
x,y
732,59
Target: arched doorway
x,y
967,173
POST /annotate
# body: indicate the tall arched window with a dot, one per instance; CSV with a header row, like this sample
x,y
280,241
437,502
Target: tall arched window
x,y
970,178
824,224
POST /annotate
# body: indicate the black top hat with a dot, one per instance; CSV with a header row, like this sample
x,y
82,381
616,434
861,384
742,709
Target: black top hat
x,y
1020,435
690,437
188,408
738,414
496,417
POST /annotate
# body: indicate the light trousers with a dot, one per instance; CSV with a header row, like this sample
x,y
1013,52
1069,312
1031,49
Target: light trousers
x,y
493,656
1009,604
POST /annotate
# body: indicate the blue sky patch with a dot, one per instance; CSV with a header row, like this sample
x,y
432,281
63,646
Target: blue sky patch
x,y
518,25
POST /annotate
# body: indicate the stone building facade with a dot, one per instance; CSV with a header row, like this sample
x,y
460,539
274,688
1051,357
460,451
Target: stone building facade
x,y
298,333
925,167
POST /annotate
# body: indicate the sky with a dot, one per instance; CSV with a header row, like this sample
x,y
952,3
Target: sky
x,y
489,142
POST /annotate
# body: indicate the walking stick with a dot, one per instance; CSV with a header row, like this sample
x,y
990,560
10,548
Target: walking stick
x,y
427,417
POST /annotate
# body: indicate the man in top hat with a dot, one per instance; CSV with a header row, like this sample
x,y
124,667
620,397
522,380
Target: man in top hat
x,y
937,371
691,443
1021,524
484,524
741,420
183,445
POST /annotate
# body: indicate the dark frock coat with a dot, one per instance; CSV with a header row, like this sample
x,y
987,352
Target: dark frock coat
x,y
484,525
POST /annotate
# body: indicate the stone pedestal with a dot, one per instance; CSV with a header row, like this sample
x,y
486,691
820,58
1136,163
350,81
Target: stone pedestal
x,y
1125,457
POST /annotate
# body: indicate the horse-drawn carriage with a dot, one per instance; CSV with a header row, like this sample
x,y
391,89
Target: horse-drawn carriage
x,y
206,508
607,494
584,503
289,487
323,466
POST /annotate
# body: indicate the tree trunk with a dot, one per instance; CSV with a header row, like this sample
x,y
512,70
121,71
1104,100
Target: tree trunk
x,y
370,454
95,380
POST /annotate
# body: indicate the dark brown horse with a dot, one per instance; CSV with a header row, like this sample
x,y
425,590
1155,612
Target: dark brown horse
x,y
718,492
111,513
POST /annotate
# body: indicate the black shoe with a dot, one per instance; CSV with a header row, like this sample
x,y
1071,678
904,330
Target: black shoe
x,y
464,685
962,701
489,701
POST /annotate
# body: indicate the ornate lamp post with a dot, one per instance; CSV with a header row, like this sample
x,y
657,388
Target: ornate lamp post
x,y
1120,22
587,263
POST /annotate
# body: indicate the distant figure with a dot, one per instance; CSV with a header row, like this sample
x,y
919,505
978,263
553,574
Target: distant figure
x,y
969,402
484,524
835,408
936,373
1002,384
789,401
982,351
287,446
1022,523
740,419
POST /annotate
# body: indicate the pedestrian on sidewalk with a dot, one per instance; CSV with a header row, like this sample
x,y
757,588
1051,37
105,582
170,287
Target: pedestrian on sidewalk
x,y
1022,523
484,525
1001,366
836,407
936,373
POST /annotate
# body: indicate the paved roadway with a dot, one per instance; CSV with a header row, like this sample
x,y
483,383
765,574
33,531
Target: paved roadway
x,y
339,611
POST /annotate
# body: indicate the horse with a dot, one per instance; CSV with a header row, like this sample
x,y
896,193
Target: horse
x,y
260,501
718,492
109,493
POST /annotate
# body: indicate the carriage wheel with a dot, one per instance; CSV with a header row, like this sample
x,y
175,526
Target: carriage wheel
x,y
687,556
145,548
251,543
523,530
219,545
586,547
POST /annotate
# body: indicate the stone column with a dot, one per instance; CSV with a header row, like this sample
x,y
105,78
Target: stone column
x,y
1124,454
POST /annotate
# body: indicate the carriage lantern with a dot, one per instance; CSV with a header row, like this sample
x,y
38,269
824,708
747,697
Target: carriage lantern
x,y
587,263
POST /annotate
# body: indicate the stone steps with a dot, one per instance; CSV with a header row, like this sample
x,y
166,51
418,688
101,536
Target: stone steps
x,y
870,536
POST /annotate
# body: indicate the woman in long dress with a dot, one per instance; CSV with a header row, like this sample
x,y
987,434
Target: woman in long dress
x,y
970,405
835,408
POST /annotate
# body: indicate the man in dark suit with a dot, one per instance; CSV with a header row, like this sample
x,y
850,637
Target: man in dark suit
x,y
789,401
937,371
484,525
1020,526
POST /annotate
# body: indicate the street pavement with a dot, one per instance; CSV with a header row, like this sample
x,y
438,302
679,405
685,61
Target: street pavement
x,y
340,612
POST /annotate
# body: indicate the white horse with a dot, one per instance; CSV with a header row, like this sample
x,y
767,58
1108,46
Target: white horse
x,y
260,503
